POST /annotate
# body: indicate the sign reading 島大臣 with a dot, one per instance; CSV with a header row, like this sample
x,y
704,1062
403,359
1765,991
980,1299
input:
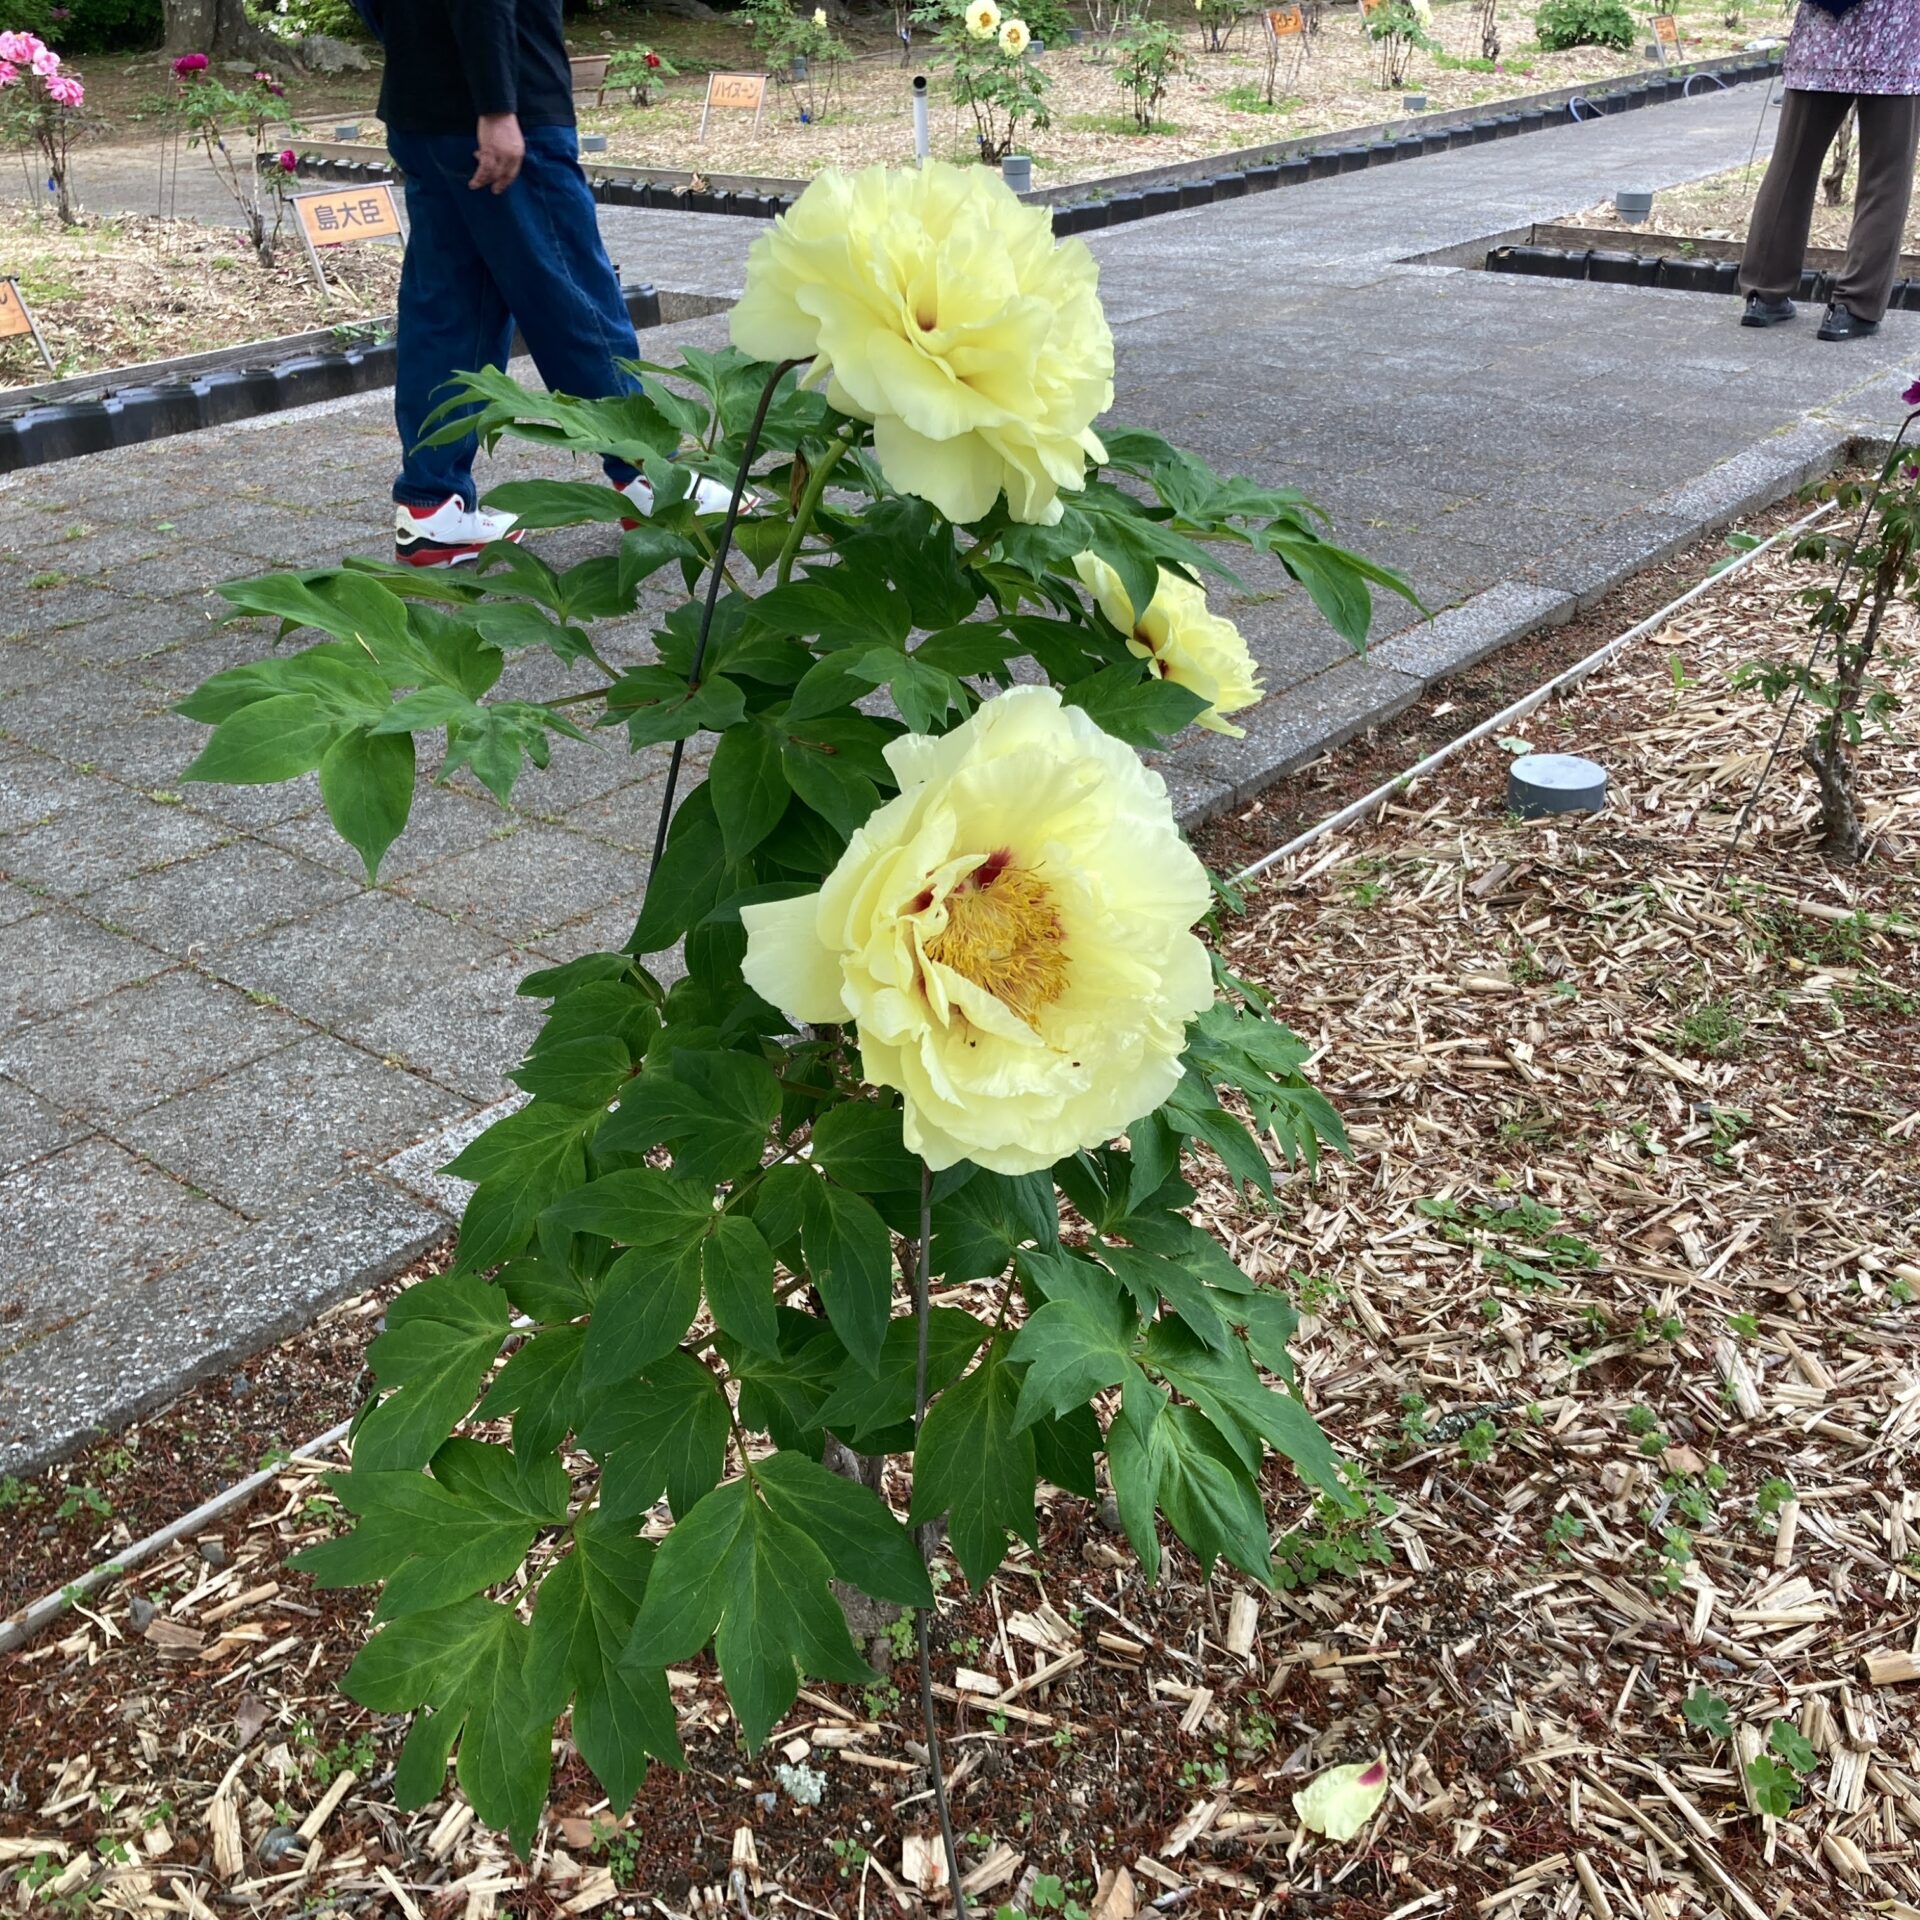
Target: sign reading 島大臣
x,y
16,319
735,92
344,218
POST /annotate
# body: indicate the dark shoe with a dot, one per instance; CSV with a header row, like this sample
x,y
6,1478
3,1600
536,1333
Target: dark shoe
x,y
1766,313
1842,323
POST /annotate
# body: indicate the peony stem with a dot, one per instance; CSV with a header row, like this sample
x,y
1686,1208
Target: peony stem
x,y
923,1317
714,579
809,504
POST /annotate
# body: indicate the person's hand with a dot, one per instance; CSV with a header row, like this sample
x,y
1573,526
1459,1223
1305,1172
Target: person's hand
x,y
501,149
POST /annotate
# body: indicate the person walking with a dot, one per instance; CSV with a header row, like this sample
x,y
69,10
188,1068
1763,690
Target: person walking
x,y
477,98
1863,54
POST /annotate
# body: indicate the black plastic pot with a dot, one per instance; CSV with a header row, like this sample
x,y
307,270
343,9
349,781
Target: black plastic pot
x,y
1155,200
1322,164
1613,269
1196,193
1411,148
1124,207
235,393
1436,142
1297,171
1533,119
1229,186
1263,179
1352,159
151,413
1381,153
1505,125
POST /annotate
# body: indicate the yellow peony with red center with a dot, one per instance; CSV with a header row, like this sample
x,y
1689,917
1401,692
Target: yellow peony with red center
x,y
1012,937
937,307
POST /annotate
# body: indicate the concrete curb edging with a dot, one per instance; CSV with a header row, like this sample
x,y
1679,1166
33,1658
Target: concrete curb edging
x,y
1605,267
109,418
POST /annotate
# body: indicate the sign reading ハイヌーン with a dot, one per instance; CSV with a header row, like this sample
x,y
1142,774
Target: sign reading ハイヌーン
x,y
1285,21
734,93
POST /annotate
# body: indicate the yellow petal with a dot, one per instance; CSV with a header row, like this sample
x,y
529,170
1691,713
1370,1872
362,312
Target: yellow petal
x,y
1340,1801
788,965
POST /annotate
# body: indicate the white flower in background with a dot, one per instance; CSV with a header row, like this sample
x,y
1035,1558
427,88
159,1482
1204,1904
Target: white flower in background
x,y
1014,38
983,19
1011,937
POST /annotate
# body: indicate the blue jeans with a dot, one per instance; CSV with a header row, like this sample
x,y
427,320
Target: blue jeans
x,y
477,262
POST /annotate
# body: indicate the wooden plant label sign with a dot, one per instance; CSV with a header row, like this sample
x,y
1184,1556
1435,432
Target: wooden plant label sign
x,y
1666,31
590,72
734,93
1285,21
347,216
16,321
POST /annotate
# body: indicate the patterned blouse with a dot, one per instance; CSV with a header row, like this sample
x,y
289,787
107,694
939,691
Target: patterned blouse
x,y
1875,48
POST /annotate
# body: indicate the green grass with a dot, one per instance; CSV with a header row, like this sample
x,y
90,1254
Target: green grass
x,y
1251,100
1115,123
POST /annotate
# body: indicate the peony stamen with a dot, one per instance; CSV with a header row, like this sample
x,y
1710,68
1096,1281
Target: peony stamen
x,y
1004,934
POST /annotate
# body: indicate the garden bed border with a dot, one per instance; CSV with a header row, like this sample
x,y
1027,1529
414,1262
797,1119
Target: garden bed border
x,y
124,407
1672,273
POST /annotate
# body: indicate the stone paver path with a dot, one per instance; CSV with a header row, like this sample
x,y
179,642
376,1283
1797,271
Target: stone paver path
x,y
213,1035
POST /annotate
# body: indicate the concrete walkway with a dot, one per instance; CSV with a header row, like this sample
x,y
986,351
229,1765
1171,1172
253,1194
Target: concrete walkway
x,y
213,1037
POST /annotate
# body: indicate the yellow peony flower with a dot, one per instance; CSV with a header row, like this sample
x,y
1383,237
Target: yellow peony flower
x,y
1014,37
937,306
983,19
1012,937
819,16
1194,648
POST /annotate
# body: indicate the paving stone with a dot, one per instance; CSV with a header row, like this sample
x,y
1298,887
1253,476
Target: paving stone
x,y
16,903
57,960
86,1225
442,822
45,611
467,1032
30,1129
218,900
1462,635
130,1050
141,628
354,959
119,834
523,884
289,1124
628,818
183,1326
35,786
254,809
24,665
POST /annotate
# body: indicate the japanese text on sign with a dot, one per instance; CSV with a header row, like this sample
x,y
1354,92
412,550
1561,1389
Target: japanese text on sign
x,y
1283,21
736,92
1666,30
340,219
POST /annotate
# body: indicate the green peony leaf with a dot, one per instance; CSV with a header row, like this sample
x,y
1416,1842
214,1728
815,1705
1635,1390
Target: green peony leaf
x,y
441,1337
664,1430
736,1573
865,1545
849,1255
976,1465
586,1610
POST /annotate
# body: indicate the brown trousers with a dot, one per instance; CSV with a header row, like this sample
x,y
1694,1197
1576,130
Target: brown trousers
x,y
1783,214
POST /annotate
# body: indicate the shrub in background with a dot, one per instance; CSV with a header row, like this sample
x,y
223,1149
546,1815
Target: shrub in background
x,y
1561,24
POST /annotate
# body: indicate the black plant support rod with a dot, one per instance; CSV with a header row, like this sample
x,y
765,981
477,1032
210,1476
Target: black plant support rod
x,y
922,1315
718,574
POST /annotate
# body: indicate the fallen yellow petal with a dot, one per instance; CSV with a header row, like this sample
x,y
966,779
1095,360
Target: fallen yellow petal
x,y
1339,1802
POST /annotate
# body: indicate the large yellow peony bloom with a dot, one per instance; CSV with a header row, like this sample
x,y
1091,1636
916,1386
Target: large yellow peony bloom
x,y
938,307
1194,648
1012,937
983,19
1014,38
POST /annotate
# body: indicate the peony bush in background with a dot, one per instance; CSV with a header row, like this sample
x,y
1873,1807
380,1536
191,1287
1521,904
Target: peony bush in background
x,y
946,1018
39,112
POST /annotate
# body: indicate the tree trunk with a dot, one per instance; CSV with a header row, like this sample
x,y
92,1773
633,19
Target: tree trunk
x,y
1834,183
220,29
1841,835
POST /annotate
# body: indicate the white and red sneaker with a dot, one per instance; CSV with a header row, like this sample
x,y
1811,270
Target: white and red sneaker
x,y
709,496
449,535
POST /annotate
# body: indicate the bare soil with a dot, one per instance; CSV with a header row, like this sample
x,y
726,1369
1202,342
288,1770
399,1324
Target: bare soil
x,y
1614,1304
124,289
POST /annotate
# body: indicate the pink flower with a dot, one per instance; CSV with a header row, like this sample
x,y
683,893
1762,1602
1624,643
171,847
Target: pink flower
x,y
1911,396
46,63
289,161
189,63
17,48
8,74
64,90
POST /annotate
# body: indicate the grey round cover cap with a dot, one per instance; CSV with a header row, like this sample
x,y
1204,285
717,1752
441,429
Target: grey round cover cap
x,y
1540,783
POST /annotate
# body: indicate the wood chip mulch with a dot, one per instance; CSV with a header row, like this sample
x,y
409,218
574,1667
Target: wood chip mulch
x,y
1614,1306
